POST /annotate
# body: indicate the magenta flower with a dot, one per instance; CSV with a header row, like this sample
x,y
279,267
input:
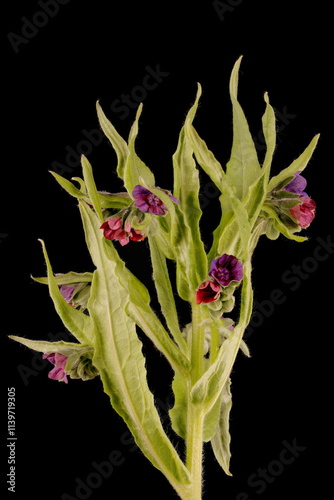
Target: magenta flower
x,y
304,213
149,202
58,372
226,269
114,229
208,291
297,185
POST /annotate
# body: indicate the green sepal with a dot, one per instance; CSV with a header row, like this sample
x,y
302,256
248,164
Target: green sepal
x,y
118,143
297,165
78,323
280,226
220,442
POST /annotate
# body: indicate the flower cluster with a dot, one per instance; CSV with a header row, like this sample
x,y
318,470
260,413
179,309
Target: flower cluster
x,y
223,271
304,212
119,227
116,229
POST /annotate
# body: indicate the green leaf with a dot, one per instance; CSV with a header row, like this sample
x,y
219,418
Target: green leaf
x,y
204,156
138,304
67,279
119,358
78,323
243,168
165,293
68,186
269,133
135,169
297,165
91,187
62,347
118,143
186,189
221,440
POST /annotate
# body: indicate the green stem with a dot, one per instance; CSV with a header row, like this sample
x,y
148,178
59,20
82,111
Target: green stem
x,y
194,444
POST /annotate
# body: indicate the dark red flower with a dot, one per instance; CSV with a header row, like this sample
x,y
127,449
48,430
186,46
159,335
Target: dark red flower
x,y
208,291
114,229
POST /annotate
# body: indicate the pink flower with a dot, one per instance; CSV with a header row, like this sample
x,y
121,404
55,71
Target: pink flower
x,y
59,360
208,291
304,213
113,229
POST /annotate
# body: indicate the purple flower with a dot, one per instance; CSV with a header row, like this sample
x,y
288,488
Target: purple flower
x,y
297,185
226,269
59,360
149,202
67,292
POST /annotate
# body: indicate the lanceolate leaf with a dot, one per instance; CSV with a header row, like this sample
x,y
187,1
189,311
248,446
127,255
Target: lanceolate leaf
x,y
91,187
119,359
165,293
68,278
204,156
243,167
62,347
269,133
297,165
118,143
187,188
78,323
135,169
221,440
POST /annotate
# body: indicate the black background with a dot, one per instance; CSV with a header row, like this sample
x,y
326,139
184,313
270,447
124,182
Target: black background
x,y
99,50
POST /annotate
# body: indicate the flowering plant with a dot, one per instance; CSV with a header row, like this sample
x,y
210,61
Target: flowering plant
x,y
103,309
